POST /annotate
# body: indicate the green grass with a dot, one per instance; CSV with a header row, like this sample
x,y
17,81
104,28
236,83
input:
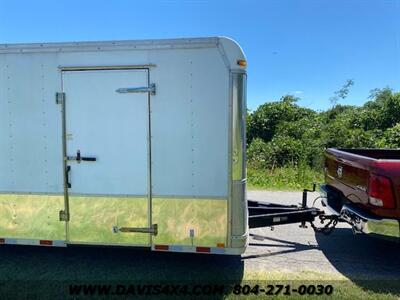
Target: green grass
x,y
284,179
343,288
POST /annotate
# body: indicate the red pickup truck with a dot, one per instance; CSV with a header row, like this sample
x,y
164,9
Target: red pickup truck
x,y
362,186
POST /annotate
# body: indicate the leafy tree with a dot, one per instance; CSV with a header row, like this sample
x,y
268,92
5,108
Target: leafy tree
x,y
392,137
335,111
342,92
283,134
264,121
258,155
384,108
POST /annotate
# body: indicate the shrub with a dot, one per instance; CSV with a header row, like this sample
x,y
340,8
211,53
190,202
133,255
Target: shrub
x,y
392,137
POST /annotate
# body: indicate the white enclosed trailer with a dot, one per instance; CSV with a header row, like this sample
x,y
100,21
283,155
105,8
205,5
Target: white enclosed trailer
x,y
134,143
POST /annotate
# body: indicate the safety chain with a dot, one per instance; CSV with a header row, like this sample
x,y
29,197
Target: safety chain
x,y
329,227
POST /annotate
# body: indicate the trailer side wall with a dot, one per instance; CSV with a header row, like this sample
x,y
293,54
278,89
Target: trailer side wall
x,y
196,178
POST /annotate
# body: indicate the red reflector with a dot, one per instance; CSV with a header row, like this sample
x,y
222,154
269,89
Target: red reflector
x,y
380,191
203,249
46,242
161,247
2,241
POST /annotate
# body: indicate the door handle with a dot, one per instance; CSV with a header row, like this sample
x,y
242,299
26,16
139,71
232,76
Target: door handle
x,y
78,158
144,89
67,177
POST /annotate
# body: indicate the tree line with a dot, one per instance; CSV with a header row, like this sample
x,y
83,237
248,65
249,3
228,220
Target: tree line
x,y
284,134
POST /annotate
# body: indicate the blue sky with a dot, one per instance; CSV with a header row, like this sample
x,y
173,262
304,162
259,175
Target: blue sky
x,y
307,48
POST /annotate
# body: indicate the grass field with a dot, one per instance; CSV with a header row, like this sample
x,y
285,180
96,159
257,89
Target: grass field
x,y
343,288
283,179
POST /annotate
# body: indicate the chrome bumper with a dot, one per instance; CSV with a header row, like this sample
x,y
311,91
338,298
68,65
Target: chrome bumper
x,y
364,222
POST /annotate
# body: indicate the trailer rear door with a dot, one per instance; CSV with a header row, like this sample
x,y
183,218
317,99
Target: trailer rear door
x,y
107,152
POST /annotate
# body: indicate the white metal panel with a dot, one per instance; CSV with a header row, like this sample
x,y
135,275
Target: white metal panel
x,y
30,127
110,126
189,123
181,43
103,58
5,164
189,118
232,51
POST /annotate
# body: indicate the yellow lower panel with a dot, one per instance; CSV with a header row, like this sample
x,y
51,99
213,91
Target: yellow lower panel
x,y
176,217
92,220
31,216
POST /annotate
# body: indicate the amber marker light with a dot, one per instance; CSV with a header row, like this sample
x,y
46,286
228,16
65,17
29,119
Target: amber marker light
x,y
242,62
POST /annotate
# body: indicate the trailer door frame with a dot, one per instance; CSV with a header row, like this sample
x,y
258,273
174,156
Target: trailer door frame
x,y
145,231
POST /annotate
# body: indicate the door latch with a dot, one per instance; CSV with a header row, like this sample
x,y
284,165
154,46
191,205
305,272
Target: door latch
x,y
78,158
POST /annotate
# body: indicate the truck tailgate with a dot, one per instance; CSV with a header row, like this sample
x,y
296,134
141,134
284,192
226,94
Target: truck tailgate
x,y
350,173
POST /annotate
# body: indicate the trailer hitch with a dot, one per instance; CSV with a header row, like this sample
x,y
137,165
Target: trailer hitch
x,y
333,220
329,227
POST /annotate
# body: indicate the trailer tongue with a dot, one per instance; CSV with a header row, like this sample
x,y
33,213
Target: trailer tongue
x,y
264,214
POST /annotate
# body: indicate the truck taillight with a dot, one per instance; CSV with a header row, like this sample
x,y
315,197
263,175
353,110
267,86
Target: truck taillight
x,y
380,191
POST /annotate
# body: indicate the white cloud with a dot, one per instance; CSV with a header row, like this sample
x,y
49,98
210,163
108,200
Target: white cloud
x,y
298,92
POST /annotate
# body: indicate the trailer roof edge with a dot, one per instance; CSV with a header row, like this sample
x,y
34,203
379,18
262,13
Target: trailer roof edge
x,y
148,44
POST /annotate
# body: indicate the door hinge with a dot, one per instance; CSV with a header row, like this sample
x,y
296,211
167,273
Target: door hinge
x,y
60,97
64,216
152,230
